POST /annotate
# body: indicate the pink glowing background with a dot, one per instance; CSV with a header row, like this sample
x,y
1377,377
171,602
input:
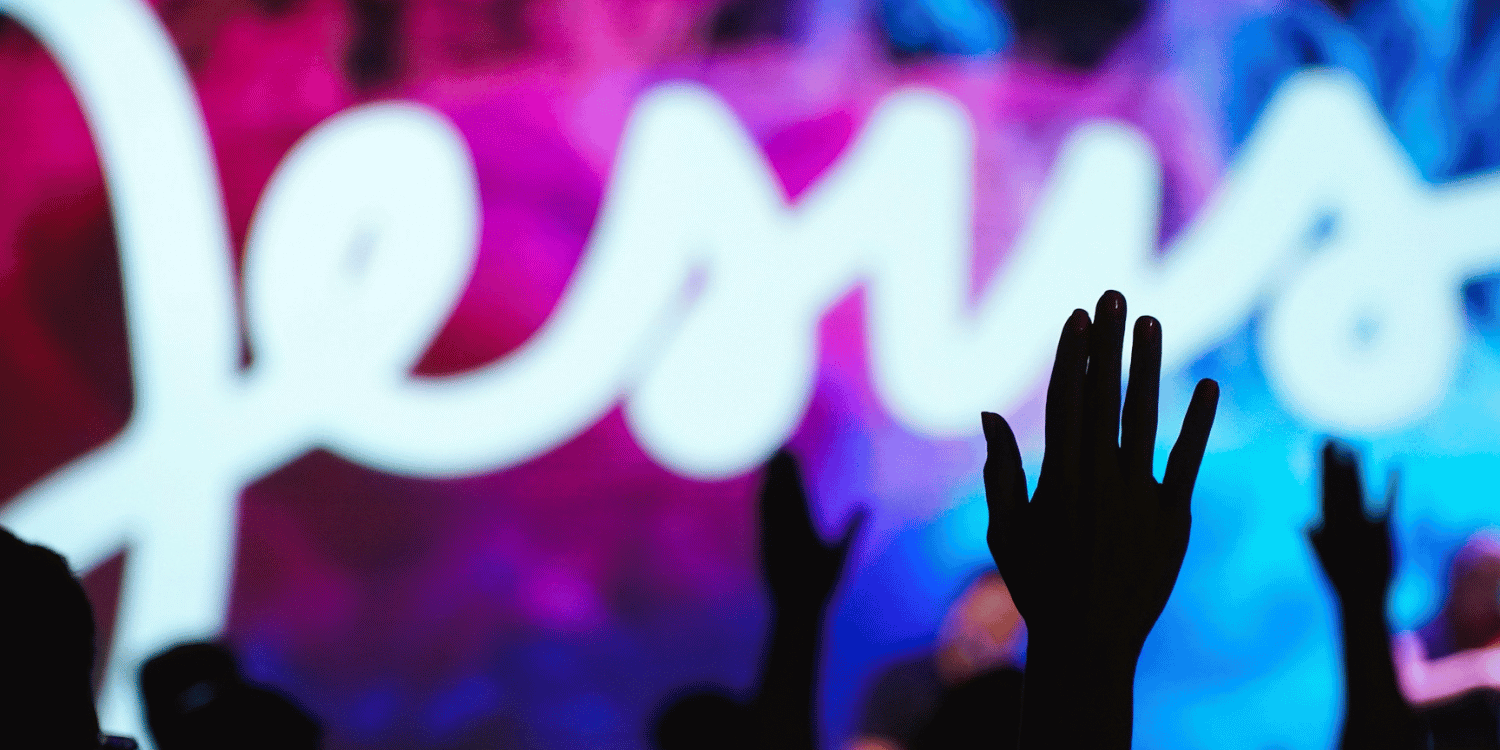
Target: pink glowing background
x,y
554,604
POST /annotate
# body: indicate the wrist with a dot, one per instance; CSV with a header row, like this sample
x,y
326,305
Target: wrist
x,y
1366,608
1364,620
1068,679
798,611
1360,595
1078,652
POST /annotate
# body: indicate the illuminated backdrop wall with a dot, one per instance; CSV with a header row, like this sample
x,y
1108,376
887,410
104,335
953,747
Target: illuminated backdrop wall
x,y
427,350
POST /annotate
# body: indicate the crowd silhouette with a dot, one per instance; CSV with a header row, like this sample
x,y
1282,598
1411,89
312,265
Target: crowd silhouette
x,y
1040,652
971,678
48,664
196,697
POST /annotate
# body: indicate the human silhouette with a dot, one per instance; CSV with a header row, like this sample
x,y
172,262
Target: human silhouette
x,y
705,716
1353,547
196,699
980,713
48,658
1092,557
801,572
1450,668
971,677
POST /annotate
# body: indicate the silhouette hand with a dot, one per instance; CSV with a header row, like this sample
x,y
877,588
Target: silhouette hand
x,y
1092,558
800,569
1353,546
1354,549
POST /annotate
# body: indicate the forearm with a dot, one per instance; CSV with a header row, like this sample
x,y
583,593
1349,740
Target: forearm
x,y
1377,713
788,686
1076,696
1367,653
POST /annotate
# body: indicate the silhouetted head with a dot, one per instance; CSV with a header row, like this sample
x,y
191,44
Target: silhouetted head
x,y
704,717
182,684
1075,33
981,631
47,661
984,712
1473,607
195,698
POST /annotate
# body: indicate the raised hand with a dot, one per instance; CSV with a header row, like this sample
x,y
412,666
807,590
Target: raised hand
x,y
1354,548
801,572
1092,557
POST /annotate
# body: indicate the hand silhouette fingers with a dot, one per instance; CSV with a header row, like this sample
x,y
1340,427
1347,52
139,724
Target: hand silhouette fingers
x,y
1063,454
1004,475
1343,495
1187,454
1004,494
783,502
1106,343
1142,395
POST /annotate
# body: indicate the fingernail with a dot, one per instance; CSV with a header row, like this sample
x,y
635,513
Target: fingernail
x,y
1112,301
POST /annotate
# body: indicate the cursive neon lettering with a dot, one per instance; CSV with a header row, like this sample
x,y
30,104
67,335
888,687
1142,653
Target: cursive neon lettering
x,y
366,235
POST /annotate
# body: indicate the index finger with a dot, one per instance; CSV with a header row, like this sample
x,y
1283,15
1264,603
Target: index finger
x,y
1343,493
783,501
1063,452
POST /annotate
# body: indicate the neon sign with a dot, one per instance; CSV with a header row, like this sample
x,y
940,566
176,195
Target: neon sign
x,y
367,232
